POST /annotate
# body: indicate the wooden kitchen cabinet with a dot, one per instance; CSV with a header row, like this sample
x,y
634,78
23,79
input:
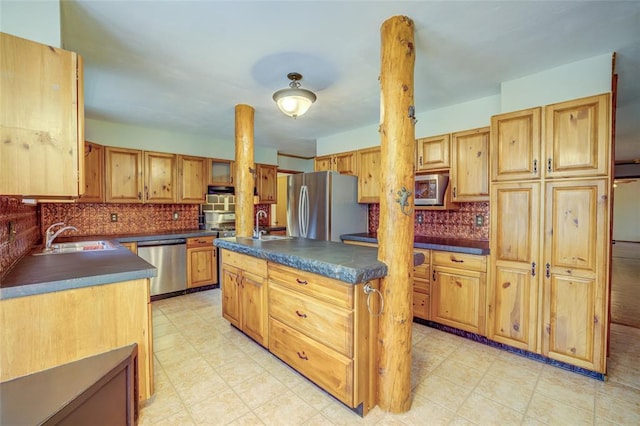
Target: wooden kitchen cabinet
x,y
577,137
93,173
369,178
422,286
432,153
221,172
469,174
131,246
458,290
515,145
267,184
202,262
42,121
192,184
344,163
160,177
322,328
576,272
123,175
515,265
244,294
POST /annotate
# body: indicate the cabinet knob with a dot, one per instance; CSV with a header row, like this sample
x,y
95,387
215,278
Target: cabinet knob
x,y
533,269
303,282
535,167
549,165
454,192
548,270
302,355
301,315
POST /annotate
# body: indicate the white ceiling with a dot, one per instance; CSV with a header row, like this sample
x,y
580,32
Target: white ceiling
x,y
183,65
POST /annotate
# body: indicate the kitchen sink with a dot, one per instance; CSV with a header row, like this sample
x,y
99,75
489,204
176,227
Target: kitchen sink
x,y
78,246
274,237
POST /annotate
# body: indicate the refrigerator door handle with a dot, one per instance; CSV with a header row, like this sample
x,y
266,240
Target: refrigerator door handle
x,y
304,210
300,211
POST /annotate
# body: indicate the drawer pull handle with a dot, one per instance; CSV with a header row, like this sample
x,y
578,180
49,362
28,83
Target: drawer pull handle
x,y
303,356
453,259
300,315
303,282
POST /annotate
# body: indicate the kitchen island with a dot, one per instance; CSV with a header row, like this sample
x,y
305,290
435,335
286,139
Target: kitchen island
x,y
313,304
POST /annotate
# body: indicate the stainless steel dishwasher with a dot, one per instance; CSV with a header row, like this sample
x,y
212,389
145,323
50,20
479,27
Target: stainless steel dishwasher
x,y
169,256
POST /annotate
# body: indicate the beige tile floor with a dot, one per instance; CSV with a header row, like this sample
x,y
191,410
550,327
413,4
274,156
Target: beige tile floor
x,y
207,372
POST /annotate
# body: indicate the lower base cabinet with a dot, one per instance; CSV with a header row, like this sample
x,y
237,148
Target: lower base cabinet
x,y
202,262
422,287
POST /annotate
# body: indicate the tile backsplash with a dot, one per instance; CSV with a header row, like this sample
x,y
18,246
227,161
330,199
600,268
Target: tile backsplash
x,y
445,223
19,231
95,219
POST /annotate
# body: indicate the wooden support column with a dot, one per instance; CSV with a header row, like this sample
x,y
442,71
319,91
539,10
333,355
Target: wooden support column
x,y
244,171
395,234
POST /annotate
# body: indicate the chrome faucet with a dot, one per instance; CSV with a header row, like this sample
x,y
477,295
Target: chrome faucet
x,y
50,235
257,233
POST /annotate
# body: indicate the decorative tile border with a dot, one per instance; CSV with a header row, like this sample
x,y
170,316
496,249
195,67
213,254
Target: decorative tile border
x,y
517,351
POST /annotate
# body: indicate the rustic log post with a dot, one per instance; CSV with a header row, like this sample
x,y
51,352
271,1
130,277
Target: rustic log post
x,y
395,234
244,170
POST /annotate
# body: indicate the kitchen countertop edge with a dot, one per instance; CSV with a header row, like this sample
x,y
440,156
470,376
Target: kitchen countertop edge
x,y
443,244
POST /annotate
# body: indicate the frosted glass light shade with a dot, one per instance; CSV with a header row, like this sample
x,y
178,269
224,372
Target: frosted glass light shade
x,y
295,101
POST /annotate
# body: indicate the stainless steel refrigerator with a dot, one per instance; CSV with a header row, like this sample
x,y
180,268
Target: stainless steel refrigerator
x,y
323,206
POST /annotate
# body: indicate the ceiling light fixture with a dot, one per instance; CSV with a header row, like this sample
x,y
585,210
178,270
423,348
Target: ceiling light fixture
x,y
294,101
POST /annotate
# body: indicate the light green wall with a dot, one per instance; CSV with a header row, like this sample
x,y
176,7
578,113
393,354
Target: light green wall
x,y
626,214
34,20
571,81
295,164
145,138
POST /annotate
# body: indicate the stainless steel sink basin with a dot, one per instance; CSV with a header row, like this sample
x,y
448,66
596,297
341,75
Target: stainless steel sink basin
x,y
274,237
78,246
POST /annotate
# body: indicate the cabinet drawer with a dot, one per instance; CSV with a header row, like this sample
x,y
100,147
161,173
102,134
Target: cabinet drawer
x,y
421,305
323,288
200,241
327,368
319,320
471,262
424,270
244,262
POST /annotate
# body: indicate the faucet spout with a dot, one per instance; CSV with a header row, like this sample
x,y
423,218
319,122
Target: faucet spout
x,y
50,235
257,233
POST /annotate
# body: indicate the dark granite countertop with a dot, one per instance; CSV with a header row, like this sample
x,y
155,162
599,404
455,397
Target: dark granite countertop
x,y
344,262
129,238
457,245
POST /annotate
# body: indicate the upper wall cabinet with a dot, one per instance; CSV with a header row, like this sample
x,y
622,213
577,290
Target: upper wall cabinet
x,y
432,153
42,120
369,180
266,183
515,145
93,173
577,137
159,177
192,172
344,163
221,172
470,165
123,175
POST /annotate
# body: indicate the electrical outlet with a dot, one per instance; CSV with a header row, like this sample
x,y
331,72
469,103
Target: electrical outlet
x,y
175,215
420,218
479,220
114,217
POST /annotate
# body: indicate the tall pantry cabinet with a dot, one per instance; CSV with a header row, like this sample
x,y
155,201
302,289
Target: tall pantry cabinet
x,y
550,238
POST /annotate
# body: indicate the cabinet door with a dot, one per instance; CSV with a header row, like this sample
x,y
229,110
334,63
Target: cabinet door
x,y
514,287
254,307
458,298
93,173
470,165
41,119
123,175
267,184
515,145
221,172
324,163
231,303
160,177
345,163
192,179
577,137
201,266
576,272
432,153
369,184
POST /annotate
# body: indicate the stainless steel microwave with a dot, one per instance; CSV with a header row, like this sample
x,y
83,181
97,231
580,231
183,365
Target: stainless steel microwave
x,y
429,190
